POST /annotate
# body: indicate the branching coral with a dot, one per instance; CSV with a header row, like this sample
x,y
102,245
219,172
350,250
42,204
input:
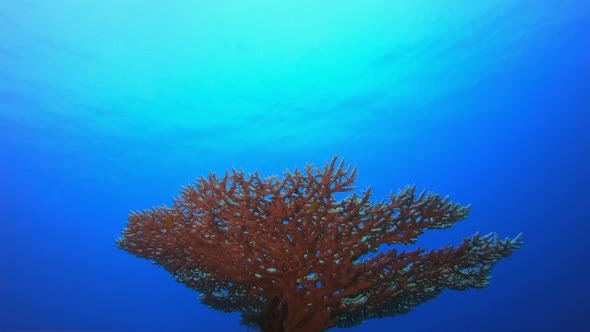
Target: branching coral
x,y
290,253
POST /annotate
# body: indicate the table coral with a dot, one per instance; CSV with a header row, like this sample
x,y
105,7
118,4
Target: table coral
x,y
301,253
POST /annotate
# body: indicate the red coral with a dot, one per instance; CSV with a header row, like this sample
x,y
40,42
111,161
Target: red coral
x,y
291,255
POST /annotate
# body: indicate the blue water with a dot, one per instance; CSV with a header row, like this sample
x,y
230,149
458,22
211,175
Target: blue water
x,y
111,106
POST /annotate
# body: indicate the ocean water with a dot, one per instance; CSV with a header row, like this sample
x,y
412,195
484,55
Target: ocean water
x,y
111,106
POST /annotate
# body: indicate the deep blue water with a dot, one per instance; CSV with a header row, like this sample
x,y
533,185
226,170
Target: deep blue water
x,y
112,106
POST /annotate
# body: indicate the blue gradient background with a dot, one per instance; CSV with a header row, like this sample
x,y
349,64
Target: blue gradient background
x,y
110,106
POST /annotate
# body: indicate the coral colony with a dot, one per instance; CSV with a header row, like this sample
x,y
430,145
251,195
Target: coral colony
x,y
295,254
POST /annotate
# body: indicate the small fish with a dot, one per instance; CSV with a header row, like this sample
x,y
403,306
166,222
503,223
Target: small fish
x,y
314,206
168,222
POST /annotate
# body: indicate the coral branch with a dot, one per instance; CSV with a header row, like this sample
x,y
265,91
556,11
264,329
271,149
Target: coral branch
x,y
288,252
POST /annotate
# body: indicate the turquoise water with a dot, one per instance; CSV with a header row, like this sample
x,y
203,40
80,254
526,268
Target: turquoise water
x,y
112,106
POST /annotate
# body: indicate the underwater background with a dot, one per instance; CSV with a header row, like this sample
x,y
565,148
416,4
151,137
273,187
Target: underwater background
x,y
110,106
